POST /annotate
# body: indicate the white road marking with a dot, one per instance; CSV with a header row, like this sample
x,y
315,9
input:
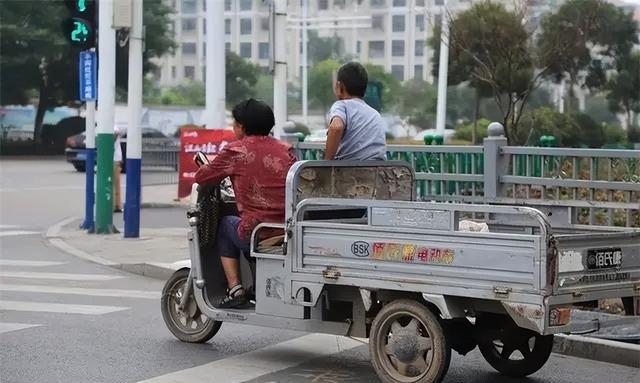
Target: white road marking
x,y
62,308
254,364
8,327
10,233
62,276
44,289
19,262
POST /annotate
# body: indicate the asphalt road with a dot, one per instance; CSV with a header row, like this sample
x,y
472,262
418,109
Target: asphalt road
x,y
63,319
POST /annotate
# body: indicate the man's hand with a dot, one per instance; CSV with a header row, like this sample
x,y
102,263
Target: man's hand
x,y
334,136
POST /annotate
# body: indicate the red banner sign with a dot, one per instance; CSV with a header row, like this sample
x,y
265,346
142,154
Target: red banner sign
x,y
193,140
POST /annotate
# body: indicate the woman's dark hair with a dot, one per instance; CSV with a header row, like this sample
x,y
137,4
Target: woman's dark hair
x,y
354,78
256,117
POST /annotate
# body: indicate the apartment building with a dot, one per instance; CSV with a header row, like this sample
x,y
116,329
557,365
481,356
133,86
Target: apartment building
x,y
393,33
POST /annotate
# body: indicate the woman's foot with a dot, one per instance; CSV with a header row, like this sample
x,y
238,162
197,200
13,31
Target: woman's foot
x,y
236,297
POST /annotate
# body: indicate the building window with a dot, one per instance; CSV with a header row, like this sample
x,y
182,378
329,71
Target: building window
x,y
378,3
204,26
397,23
245,26
398,72
358,47
377,22
204,49
438,21
439,2
420,23
245,50
397,48
419,49
204,5
189,72
323,4
399,3
376,49
227,5
188,48
188,25
173,72
245,5
204,74
264,23
338,4
263,50
189,6
227,47
419,3
418,72
227,26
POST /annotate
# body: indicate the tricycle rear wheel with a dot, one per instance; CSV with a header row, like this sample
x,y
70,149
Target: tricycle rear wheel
x,y
188,325
512,350
407,344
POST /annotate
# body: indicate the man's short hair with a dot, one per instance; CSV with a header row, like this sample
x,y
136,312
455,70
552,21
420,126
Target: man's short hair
x,y
354,78
256,117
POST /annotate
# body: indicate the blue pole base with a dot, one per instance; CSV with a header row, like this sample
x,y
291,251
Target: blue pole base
x,y
132,199
90,162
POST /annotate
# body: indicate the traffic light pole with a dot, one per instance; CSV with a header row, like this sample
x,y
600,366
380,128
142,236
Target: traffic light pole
x,y
134,134
104,137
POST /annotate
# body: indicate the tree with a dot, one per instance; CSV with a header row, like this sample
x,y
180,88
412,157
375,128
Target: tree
x,y
241,78
490,47
579,31
36,56
323,48
624,89
321,84
547,121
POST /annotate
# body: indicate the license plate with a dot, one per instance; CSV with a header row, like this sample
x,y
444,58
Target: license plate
x,y
604,258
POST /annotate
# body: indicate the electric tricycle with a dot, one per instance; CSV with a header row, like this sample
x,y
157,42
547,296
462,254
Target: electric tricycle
x,y
360,257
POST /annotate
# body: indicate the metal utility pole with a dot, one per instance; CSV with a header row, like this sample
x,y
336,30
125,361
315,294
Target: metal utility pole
x,y
443,72
134,133
90,162
104,136
280,65
215,71
305,38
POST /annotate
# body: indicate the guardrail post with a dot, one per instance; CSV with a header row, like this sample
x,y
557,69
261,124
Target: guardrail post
x,y
495,163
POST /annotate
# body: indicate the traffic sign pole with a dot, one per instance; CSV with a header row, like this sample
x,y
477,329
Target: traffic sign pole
x,y
87,69
104,137
134,134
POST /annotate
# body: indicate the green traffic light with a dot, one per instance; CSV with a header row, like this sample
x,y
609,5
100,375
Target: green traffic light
x,y
80,32
82,5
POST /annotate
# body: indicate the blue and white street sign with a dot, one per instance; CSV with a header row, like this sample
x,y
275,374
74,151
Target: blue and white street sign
x,y
88,76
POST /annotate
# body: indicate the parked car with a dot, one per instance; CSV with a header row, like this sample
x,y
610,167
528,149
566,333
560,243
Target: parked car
x,y
154,143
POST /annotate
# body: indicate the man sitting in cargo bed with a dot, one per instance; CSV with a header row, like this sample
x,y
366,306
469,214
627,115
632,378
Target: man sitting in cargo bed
x,y
356,130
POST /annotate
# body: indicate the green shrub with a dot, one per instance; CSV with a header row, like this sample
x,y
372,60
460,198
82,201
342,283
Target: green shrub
x,y
465,131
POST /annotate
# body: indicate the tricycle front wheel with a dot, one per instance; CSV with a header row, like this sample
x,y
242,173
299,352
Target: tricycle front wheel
x,y
188,324
511,350
407,344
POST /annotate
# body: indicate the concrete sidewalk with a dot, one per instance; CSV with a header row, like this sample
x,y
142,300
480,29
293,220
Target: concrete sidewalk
x,y
160,251
158,196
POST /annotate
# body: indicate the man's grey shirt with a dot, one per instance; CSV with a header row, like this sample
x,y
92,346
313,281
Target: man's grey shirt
x,y
364,133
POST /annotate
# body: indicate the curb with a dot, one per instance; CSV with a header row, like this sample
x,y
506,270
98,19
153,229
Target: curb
x,y
160,271
601,350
